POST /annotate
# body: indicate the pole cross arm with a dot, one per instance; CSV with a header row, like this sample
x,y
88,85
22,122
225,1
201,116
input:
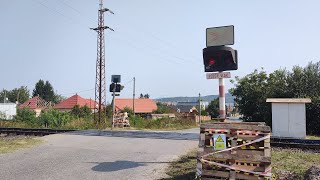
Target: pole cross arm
x,y
101,28
105,10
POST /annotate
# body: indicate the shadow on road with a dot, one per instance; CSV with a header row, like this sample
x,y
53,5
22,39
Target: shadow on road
x,y
118,165
138,134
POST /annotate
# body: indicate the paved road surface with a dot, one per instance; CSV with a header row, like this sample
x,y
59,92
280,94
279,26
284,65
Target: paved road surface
x,y
98,155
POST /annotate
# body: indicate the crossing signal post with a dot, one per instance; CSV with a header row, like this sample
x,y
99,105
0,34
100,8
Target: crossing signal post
x,y
115,87
218,58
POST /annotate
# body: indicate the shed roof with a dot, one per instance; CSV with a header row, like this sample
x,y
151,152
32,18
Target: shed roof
x,y
289,100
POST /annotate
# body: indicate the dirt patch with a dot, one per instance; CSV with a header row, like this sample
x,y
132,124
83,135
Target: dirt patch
x,y
313,173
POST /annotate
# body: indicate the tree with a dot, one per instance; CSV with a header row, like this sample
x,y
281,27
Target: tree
x,y
250,94
163,109
46,91
81,112
17,94
252,90
213,108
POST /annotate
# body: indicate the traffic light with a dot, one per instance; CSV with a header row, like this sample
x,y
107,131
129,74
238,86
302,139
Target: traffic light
x,y
220,58
117,87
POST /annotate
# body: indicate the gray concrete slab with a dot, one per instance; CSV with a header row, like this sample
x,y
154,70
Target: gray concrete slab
x,y
98,155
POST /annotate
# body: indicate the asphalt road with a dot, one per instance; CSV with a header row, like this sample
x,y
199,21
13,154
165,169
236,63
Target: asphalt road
x,y
99,155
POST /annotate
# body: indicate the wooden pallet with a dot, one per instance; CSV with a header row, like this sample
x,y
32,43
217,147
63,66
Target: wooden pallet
x,y
244,162
121,120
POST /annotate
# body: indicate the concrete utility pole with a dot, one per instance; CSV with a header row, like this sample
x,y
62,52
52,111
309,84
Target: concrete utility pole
x,y
222,102
199,108
134,94
100,85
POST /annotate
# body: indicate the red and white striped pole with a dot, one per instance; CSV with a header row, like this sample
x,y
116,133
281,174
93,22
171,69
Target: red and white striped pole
x,y
222,99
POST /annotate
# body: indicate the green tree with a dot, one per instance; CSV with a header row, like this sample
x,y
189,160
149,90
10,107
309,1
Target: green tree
x,y
85,111
45,91
17,94
250,94
81,112
76,111
213,108
163,109
252,90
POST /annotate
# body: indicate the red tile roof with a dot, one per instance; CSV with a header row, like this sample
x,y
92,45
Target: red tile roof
x,y
35,103
140,105
75,100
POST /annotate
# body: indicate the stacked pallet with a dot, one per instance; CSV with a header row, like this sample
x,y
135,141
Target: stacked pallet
x,y
121,120
234,151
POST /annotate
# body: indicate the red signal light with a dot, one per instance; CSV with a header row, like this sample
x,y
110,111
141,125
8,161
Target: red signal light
x,y
212,62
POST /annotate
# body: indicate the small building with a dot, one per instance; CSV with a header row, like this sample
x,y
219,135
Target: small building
x,y
8,110
186,109
289,117
141,106
36,104
203,104
68,104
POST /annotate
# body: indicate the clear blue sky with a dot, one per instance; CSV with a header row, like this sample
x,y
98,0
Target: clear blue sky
x,y
158,42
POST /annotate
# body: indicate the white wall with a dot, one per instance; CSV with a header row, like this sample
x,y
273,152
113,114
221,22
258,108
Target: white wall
x,y
8,109
289,120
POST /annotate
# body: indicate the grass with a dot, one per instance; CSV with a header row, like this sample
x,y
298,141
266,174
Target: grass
x,y
183,168
296,162
11,144
293,161
313,137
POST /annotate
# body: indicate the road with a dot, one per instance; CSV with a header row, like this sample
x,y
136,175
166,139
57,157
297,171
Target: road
x,y
96,154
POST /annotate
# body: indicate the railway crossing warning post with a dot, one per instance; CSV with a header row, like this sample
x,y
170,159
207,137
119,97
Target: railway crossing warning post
x,y
218,58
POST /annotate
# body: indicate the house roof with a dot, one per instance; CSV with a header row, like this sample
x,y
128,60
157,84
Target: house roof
x,y
36,103
186,108
140,105
75,100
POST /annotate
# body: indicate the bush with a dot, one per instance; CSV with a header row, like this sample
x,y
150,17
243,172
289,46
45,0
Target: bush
x,y
53,118
164,123
27,116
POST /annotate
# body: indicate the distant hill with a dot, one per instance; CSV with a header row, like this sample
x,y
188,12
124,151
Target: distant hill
x,y
209,98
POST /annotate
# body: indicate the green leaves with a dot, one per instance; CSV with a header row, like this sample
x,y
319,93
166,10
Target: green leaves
x,y
252,90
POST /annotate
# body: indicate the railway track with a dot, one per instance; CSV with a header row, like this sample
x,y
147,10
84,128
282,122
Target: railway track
x,y
31,132
275,141
295,143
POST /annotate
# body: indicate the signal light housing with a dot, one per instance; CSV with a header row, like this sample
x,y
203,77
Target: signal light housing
x,y
220,58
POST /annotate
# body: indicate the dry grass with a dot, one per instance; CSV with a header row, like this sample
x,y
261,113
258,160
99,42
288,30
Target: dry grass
x,y
10,144
284,162
293,161
184,167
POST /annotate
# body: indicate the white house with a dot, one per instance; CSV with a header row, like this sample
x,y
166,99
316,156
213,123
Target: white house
x,y
8,110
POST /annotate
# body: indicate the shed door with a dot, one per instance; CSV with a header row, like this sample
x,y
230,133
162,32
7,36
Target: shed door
x,y
297,120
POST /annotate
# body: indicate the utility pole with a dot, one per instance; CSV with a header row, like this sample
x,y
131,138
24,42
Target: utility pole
x,y
100,84
134,94
199,108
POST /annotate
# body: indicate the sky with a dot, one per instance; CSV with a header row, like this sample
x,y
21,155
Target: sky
x,y
158,42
